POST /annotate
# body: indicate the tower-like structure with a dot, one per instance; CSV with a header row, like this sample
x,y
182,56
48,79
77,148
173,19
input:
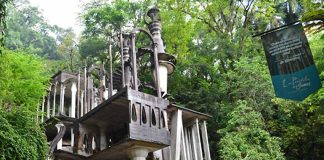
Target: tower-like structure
x,y
111,118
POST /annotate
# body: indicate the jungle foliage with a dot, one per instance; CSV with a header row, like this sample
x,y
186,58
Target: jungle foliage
x,y
221,70
28,31
23,82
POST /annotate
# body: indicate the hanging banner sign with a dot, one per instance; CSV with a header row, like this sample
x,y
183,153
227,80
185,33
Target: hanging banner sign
x,y
290,61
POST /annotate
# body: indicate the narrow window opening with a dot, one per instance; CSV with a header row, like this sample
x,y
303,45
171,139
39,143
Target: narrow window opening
x,y
153,118
144,120
134,115
162,119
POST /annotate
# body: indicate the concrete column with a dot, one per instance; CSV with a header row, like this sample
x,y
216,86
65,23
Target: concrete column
x,y
54,99
176,128
183,152
92,96
163,75
196,135
89,94
72,138
59,144
158,154
166,153
187,148
103,139
43,104
93,143
105,94
193,142
81,106
73,99
59,108
95,103
85,91
165,116
62,99
138,153
48,113
205,140
78,96
133,60
37,112
102,85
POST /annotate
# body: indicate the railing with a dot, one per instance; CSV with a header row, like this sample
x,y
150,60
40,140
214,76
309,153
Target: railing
x,y
189,139
72,95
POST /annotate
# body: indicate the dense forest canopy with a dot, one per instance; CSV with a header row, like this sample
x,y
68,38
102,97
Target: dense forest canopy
x,y
221,70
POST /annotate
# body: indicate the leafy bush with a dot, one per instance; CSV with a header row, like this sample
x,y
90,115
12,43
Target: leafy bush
x,y
22,85
20,137
245,136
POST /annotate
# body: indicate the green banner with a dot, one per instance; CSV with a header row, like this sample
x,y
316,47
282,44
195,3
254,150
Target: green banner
x,y
293,72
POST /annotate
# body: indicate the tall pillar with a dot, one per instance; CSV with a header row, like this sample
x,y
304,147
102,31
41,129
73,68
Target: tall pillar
x,y
158,154
102,85
166,153
92,100
138,153
72,138
133,55
59,108
93,144
62,98
126,58
103,139
85,91
96,101
176,129
78,97
73,99
111,81
37,112
165,118
48,113
89,94
54,99
205,140
93,91
43,104
105,94
193,142
183,154
196,135
81,105
60,143
187,148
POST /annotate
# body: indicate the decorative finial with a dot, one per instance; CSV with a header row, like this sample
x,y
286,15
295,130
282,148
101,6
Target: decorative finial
x,y
153,13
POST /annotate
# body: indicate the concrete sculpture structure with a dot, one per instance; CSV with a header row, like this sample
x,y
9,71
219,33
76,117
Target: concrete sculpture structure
x,y
85,119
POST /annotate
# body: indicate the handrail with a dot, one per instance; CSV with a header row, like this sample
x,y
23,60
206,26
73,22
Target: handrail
x,y
57,138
